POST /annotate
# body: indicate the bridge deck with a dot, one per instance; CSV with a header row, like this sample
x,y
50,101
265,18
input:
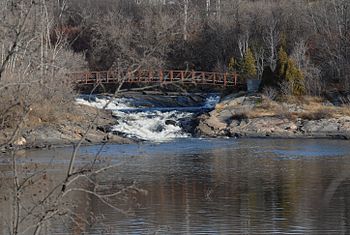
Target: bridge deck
x,y
156,76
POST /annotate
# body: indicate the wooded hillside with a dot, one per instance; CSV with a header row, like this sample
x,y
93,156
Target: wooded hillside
x,y
299,46
208,34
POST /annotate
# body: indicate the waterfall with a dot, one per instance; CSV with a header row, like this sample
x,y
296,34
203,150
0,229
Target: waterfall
x,y
138,118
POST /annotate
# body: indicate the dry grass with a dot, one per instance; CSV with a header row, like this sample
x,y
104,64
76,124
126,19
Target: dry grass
x,y
219,107
310,108
269,108
316,115
67,113
302,100
47,112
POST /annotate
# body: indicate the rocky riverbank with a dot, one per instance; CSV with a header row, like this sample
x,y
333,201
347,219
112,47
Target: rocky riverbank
x,y
68,126
238,115
257,116
67,130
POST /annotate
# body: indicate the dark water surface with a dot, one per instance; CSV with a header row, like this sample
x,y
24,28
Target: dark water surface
x,y
227,186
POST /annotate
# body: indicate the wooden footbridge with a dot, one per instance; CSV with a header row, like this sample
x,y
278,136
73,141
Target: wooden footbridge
x,y
162,77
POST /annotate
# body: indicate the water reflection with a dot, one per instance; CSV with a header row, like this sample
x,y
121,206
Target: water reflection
x,y
222,187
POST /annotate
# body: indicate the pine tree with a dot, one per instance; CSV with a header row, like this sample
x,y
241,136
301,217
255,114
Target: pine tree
x,y
295,77
282,63
248,66
288,71
283,40
234,65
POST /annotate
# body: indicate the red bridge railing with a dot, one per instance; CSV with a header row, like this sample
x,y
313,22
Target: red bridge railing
x,y
156,76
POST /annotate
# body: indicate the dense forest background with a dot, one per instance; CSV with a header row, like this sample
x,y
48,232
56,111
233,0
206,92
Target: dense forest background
x,y
217,35
299,47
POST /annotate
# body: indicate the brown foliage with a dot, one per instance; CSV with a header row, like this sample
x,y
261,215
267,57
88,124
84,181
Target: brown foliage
x,y
116,32
33,72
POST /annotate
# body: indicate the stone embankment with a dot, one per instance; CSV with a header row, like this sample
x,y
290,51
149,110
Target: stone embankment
x,y
257,116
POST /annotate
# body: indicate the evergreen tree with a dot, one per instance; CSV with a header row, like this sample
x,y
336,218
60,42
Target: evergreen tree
x,y
248,66
234,65
288,71
282,63
295,77
283,40
231,65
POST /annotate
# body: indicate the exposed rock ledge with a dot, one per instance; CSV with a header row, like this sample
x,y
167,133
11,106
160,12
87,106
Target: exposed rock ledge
x,y
68,130
249,116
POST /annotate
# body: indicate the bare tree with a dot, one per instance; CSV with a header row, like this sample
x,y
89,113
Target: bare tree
x,y
185,24
260,61
243,44
312,74
272,40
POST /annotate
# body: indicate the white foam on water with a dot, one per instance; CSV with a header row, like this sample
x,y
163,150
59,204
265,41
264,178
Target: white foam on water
x,y
153,126
211,101
146,125
100,103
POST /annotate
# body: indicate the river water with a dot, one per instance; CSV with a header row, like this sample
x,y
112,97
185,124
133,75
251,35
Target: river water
x,y
185,185
216,186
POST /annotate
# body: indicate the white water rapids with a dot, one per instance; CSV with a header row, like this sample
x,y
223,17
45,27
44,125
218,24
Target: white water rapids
x,y
156,124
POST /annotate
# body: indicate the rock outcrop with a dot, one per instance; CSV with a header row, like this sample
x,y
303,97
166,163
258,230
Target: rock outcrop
x,y
233,117
68,131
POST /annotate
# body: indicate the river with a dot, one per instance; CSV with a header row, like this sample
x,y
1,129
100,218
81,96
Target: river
x,y
190,185
220,186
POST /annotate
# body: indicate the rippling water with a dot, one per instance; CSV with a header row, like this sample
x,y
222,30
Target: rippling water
x,y
227,186
152,119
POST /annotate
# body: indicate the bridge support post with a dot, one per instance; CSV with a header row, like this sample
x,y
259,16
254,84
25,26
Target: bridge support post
x,y
129,75
235,78
139,76
149,75
97,77
161,76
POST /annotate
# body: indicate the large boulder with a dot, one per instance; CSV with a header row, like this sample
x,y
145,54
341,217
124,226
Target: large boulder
x,y
211,126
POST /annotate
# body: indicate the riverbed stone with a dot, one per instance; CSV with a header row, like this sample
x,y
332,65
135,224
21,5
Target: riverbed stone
x,y
321,126
247,101
20,141
170,122
211,127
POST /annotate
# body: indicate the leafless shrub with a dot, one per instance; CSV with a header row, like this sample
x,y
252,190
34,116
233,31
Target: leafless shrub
x,y
313,81
346,78
285,114
220,67
345,100
270,93
286,88
311,73
33,71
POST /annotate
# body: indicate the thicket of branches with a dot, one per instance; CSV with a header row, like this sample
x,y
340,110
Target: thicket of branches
x,y
208,34
42,40
35,58
33,66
